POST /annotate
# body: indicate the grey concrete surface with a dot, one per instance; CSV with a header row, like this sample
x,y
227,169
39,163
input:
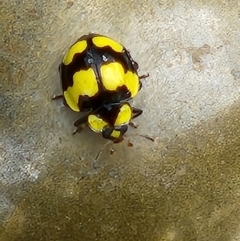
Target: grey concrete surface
x,y
184,186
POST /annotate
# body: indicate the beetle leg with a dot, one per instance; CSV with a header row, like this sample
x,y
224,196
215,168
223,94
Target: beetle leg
x,y
56,97
77,130
133,125
143,76
79,122
147,137
136,112
140,85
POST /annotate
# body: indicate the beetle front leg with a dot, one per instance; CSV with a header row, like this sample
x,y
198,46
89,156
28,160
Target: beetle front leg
x,y
79,123
56,97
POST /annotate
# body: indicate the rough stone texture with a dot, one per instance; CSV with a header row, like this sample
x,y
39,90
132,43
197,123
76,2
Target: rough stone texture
x,y
183,186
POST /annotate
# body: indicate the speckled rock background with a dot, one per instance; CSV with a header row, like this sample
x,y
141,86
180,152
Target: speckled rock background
x,y
183,186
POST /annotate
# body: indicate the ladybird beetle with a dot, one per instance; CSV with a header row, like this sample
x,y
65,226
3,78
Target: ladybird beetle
x,y
111,120
97,70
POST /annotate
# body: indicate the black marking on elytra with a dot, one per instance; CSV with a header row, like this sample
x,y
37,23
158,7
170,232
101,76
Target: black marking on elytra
x,y
86,103
95,57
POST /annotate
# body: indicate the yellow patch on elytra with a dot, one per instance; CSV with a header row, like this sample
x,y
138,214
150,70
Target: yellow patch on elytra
x,y
132,83
113,76
78,47
84,83
124,115
102,41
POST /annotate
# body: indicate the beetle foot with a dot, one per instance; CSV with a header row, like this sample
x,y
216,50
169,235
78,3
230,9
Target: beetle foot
x,y
133,125
78,130
56,97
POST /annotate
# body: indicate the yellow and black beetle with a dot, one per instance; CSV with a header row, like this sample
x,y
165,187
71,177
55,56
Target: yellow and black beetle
x,y
96,70
111,120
